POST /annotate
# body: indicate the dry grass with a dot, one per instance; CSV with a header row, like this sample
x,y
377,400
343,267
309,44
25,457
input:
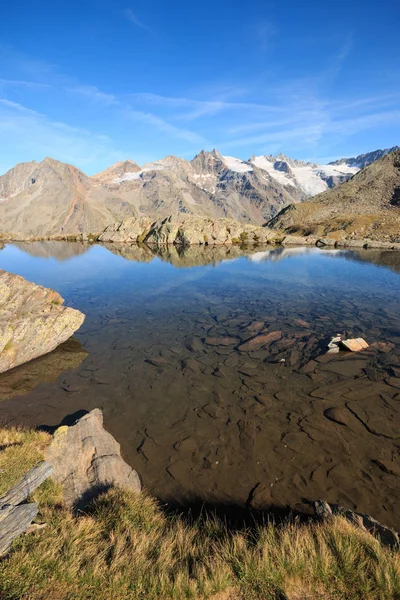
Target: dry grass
x,y
128,548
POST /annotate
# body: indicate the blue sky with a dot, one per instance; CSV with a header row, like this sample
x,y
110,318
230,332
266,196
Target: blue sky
x,y
93,82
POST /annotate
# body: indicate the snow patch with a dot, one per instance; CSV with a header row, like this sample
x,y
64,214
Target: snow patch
x,y
263,163
237,165
309,177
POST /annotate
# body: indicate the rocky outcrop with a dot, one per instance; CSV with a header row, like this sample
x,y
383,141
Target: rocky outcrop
x,y
185,230
130,230
386,535
363,212
87,460
33,321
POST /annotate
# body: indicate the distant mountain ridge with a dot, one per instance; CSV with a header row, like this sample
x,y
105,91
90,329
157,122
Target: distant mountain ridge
x,y
51,198
364,207
363,160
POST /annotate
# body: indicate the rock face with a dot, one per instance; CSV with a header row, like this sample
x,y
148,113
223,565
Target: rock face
x,y
32,321
87,460
366,208
54,199
185,230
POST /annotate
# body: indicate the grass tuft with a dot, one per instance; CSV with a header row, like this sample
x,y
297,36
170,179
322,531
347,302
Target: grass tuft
x,y
127,547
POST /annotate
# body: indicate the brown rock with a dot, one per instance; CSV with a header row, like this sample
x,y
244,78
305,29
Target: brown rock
x,y
383,346
260,341
87,460
302,323
338,414
33,321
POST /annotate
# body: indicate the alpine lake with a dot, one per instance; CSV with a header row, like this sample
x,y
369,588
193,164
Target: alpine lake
x,y
211,368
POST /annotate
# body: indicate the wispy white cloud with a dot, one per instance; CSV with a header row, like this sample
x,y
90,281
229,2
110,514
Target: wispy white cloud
x,y
25,84
33,135
93,94
130,15
162,125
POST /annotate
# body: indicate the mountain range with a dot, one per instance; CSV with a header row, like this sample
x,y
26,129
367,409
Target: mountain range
x,y
366,207
51,198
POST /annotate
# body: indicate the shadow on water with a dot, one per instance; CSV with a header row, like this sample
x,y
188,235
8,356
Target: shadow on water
x,y
67,421
199,509
45,369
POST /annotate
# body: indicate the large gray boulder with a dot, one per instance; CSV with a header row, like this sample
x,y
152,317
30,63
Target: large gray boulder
x,y
33,321
87,460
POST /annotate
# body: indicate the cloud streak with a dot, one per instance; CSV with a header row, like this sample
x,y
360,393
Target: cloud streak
x,y
130,15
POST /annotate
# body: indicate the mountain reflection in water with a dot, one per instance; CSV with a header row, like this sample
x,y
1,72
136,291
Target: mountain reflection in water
x,y
214,377
195,256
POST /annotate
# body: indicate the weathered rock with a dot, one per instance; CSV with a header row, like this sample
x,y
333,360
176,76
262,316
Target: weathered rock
x,y
387,536
354,345
87,460
131,230
32,321
184,230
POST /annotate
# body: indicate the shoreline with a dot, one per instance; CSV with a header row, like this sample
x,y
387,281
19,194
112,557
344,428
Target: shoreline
x,y
279,240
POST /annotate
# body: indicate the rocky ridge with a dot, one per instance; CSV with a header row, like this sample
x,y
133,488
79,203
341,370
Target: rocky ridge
x,y
33,321
51,199
363,212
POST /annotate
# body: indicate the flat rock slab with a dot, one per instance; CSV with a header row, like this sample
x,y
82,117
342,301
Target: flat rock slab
x,y
33,321
260,341
87,460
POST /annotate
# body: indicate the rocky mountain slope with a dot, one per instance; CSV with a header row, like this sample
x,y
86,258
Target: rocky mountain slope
x,y
50,198
365,207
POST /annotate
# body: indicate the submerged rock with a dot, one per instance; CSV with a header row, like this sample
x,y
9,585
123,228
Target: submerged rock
x,y
33,321
87,460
